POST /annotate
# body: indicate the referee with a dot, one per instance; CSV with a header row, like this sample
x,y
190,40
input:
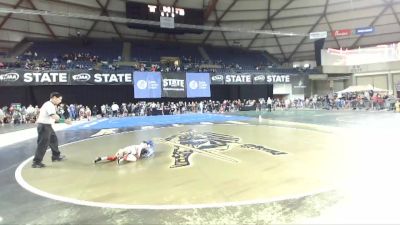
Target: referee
x,y
46,135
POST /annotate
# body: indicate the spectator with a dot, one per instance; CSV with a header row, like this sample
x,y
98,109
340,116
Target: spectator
x,y
115,109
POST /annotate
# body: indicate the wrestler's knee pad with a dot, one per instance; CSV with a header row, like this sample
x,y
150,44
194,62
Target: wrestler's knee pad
x,y
111,158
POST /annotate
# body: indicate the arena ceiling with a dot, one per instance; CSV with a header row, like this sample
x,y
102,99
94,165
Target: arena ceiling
x,y
258,23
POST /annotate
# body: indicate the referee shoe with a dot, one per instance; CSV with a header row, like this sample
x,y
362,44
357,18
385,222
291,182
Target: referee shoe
x,y
38,165
59,158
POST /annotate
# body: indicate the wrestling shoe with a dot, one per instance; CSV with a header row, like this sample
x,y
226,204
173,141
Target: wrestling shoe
x,y
120,160
98,159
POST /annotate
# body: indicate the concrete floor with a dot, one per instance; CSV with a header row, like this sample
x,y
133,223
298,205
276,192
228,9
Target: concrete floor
x,y
338,167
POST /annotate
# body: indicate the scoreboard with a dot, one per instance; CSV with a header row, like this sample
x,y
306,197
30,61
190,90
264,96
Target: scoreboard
x,y
151,12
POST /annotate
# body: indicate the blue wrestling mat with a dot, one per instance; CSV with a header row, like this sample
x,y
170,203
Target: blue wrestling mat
x,y
124,122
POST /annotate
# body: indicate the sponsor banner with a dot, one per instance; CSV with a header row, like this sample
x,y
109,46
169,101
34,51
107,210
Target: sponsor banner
x,y
300,83
172,82
24,78
318,35
63,77
217,79
174,85
341,33
198,85
259,78
147,84
364,30
253,78
241,78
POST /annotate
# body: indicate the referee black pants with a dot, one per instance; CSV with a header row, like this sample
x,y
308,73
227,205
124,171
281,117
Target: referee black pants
x,y
46,138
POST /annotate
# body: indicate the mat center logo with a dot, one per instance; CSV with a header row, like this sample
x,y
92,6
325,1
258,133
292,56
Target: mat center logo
x,y
209,144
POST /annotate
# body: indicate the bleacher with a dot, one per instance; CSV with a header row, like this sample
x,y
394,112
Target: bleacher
x,y
222,59
106,49
233,56
152,51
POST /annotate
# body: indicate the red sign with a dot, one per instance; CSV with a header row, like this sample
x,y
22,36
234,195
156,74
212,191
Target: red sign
x,y
340,33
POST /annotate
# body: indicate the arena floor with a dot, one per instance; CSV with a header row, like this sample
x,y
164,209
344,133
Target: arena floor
x,y
323,167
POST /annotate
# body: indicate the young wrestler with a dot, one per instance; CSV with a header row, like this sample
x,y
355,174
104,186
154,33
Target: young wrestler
x,y
130,153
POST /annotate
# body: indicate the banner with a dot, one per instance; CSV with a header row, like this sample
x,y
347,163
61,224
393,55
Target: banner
x,y
147,84
300,83
251,78
198,85
174,85
341,33
279,78
318,35
63,77
365,30
24,78
120,78
242,78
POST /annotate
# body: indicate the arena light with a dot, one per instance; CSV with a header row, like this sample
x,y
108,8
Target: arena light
x,y
146,22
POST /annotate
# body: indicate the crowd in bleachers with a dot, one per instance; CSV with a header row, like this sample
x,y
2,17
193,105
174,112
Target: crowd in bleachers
x,y
146,56
66,61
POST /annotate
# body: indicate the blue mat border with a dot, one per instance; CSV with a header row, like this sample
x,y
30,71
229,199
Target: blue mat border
x,y
124,122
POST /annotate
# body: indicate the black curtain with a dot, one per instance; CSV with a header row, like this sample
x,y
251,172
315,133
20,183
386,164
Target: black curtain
x,y
231,92
86,95
106,94
318,45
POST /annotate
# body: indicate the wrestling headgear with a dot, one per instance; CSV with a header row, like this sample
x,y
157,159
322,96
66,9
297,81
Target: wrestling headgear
x,y
150,143
147,152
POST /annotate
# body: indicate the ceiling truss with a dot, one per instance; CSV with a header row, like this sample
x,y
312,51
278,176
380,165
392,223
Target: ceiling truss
x,y
383,15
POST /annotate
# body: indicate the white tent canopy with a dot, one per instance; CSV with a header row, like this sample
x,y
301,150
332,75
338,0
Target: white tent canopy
x,y
361,88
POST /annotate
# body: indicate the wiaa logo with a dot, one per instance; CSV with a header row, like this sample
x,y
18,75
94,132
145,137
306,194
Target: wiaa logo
x,y
193,84
217,78
141,84
259,78
81,77
9,77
